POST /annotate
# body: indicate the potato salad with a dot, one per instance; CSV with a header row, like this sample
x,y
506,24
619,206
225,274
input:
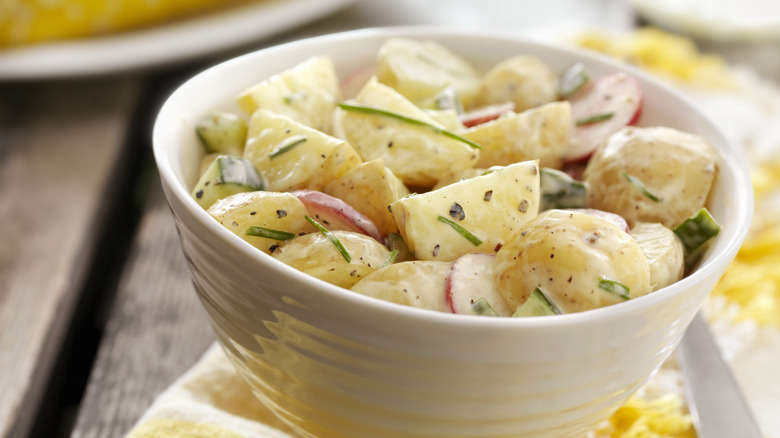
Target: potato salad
x,y
520,191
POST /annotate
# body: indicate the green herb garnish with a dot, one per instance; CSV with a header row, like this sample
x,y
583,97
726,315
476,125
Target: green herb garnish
x,y
380,112
286,148
537,304
391,258
268,233
696,230
290,98
573,79
614,287
636,182
483,308
462,231
594,119
330,236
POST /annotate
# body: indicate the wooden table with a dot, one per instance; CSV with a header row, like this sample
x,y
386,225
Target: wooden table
x,y
97,313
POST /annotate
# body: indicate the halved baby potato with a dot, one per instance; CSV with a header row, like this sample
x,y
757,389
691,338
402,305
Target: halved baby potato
x,y
316,255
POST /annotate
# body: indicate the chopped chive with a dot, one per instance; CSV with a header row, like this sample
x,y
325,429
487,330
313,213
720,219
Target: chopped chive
x,y
391,258
290,98
380,112
573,79
491,169
462,231
594,118
482,308
636,182
269,233
696,230
335,240
614,287
542,298
559,190
286,148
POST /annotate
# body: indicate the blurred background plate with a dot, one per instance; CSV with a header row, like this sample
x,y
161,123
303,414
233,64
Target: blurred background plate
x,y
716,20
163,44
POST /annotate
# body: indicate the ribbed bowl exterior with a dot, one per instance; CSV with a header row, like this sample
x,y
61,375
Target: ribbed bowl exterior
x,y
332,363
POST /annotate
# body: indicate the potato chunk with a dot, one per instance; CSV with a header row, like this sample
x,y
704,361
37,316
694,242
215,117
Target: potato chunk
x,y
491,208
419,155
291,155
421,69
540,133
577,260
317,256
664,253
370,188
525,80
307,93
417,284
651,175
272,210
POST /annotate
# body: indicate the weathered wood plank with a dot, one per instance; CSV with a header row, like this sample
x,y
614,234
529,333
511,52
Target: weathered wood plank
x,y
157,329
60,144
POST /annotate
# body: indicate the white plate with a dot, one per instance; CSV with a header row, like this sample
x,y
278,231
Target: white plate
x,y
161,45
717,20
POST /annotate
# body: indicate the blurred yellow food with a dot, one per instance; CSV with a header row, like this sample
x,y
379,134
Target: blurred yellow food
x,y
664,54
662,417
34,21
753,280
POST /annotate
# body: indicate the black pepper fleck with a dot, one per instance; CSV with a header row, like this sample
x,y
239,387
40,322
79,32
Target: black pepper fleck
x,y
523,207
435,250
281,213
488,195
456,212
199,194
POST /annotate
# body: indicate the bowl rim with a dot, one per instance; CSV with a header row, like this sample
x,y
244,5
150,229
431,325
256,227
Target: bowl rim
x,y
714,263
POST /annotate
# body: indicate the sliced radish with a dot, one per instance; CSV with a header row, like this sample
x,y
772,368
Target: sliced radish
x,y
612,218
335,214
485,114
353,82
471,280
600,109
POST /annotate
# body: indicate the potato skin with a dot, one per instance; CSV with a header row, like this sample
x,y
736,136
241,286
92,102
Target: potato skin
x,y
565,253
677,168
525,80
541,133
274,210
416,283
371,188
664,253
315,255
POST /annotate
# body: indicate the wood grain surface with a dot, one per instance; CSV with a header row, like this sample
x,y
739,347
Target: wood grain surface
x,y
60,149
156,330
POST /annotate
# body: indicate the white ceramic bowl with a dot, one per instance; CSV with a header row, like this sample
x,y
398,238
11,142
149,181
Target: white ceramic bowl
x,y
333,363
